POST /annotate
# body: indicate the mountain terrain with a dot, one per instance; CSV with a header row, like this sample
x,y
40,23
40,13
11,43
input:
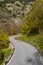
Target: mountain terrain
x,y
6,1
12,16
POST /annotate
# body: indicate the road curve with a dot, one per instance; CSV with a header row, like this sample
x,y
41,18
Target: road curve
x,y
24,54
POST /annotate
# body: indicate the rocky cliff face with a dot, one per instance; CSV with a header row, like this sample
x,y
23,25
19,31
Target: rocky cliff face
x,y
12,16
18,9
6,22
19,0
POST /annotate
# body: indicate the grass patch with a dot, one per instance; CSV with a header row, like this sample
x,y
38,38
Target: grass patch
x,y
36,40
7,53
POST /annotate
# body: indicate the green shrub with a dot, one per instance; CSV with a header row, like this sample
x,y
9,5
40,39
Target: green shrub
x,y
33,31
1,56
3,40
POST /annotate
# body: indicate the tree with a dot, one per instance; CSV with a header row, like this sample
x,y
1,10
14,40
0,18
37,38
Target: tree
x,y
34,19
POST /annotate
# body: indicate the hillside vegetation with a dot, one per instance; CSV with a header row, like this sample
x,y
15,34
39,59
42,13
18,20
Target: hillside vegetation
x,y
34,20
3,40
5,51
3,44
32,29
17,0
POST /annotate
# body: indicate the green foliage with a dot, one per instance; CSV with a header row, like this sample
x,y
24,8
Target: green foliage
x,y
3,40
4,54
1,57
5,50
2,4
7,53
34,20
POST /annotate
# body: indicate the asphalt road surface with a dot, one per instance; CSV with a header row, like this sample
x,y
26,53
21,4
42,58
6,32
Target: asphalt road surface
x,y
24,54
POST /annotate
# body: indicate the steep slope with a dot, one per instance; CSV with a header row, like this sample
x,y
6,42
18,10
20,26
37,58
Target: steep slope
x,y
19,0
6,22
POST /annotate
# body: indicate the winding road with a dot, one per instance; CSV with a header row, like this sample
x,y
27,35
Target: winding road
x,y
24,54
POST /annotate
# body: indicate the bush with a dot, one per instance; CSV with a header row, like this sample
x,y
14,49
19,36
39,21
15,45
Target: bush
x,y
4,43
33,31
1,56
